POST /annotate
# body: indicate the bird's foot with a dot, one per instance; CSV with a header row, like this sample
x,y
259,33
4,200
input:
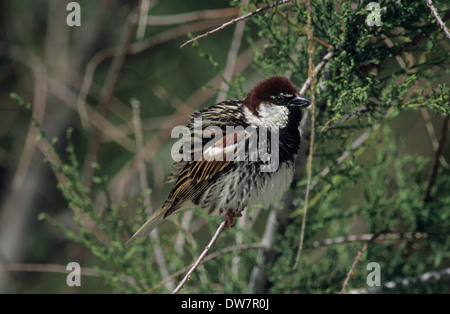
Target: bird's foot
x,y
229,217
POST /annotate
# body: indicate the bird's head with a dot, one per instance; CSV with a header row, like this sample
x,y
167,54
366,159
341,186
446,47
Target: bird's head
x,y
273,103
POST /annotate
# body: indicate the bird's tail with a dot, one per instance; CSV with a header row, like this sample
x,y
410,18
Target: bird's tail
x,y
151,224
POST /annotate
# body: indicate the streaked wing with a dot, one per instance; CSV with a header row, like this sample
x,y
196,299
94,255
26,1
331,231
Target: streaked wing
x,y
197,176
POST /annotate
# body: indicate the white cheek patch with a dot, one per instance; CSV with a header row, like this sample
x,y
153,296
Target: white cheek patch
x,y
270,115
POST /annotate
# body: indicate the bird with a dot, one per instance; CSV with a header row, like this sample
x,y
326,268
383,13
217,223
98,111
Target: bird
x,y
236,168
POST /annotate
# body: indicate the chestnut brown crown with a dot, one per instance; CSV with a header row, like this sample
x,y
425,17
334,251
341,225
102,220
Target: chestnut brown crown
x,y
277,90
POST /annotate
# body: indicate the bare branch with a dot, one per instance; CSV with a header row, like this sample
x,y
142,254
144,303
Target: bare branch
x,y
55,268
144,186
233,21
365,237
316,71
139,148
133,48
105,100
356,260
301,29
279,217
52,268
143,13
201,257
426,278
358,142
438,18
432,134
312,140
245,59
433,175
184,18
231,58
110,131
207,258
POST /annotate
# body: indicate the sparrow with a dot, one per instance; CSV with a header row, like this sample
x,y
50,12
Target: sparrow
x,y
250,163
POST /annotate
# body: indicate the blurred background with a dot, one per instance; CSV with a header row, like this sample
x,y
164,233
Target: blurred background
x,y
122,73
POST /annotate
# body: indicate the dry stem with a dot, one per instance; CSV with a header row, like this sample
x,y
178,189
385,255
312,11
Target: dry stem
x,y
200,258
233,21
356,260
438,18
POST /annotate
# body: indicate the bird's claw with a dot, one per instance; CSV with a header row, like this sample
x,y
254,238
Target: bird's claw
x,y
229,217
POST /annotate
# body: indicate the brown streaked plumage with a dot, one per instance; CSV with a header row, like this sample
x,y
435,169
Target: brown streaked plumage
x,y
228,186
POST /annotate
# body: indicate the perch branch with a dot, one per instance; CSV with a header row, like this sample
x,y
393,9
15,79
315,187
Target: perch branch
x,y
207,258
200,258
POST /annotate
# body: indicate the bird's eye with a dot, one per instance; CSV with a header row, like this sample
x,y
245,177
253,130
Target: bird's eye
x,y
278,98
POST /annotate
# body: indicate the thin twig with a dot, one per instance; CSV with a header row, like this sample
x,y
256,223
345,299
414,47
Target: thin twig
x,y
311,143
183,18
143,12
432,134
51,268
201,257
231,58
424,279
133,48
197,99
356,260
352,269
40,76
357,143
135,104
144,186
110,131
233,21
365,237
55,268
105,100
314,73
301,29
433,176
207,258
438,18
279,216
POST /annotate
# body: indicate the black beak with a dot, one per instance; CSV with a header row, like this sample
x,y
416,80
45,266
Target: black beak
x,y
299,101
